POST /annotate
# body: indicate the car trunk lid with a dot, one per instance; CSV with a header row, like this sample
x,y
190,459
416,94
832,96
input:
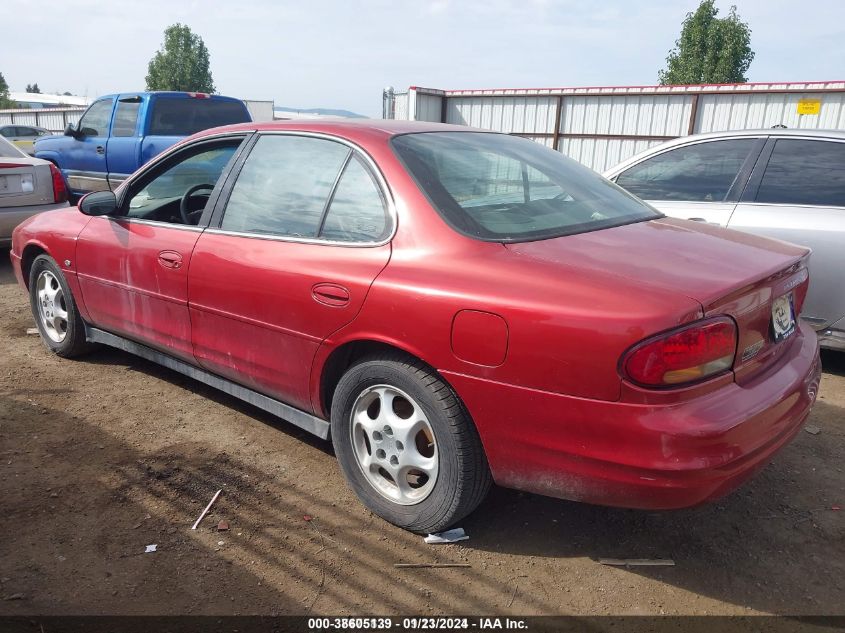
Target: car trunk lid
x,y
727,272
21,184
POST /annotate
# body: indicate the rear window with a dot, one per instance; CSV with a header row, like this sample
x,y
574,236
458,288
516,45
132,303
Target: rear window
x,y
183,117
495,187
804,172
7,150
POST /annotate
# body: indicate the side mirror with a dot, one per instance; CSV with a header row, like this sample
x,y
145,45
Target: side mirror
x,y
98,203
70,130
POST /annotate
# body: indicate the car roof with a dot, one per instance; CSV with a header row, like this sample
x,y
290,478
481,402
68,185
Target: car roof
x,y
344,127
776,131
692,138
176,93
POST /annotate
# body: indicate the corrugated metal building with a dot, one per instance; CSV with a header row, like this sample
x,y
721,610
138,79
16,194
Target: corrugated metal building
x,y
601,126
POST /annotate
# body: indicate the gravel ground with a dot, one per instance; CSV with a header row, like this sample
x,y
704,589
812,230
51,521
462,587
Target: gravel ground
x,y
103,456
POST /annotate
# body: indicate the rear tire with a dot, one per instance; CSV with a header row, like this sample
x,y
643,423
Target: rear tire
x,y
54,309
406,444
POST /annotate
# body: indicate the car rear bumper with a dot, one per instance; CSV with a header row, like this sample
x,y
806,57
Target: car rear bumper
x,y
10,217
643,456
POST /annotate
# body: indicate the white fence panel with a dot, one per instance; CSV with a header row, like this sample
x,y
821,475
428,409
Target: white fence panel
x,y
429,107
602,153
601,126
719,113
513,115
53,119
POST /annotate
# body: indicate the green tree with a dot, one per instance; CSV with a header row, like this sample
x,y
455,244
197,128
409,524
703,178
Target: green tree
x,y
710,49
5,101
181,63
33,89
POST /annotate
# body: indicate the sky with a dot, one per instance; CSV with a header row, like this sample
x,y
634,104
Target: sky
x,y
336,54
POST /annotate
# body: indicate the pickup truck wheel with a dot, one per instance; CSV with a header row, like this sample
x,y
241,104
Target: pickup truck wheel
x,y
53,307
406,444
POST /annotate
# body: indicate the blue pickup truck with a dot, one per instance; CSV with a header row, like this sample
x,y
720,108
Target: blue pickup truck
x,y
119,133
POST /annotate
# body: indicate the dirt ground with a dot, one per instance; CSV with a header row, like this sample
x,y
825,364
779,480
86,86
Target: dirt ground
x,y
104,456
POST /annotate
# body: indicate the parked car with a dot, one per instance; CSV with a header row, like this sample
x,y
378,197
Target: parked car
x,y
787,184
451,306
23,136
27,186
119,133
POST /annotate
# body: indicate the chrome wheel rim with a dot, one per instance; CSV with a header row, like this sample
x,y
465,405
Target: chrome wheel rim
x,y
394,444
51,306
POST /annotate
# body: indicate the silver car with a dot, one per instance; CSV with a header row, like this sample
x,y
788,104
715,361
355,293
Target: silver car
x,y
27,186
787,184
24,136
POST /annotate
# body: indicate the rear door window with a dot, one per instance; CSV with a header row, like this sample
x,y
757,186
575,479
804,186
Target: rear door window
x,y
185,116
357,210
703,172
304,187
284,186
126,117
804,172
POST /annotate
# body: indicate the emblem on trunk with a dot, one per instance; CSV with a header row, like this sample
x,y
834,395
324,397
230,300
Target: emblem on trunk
x,y
752,350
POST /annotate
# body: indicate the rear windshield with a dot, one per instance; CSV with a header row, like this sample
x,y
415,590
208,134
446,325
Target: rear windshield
x,y
183,117
495,187
7,150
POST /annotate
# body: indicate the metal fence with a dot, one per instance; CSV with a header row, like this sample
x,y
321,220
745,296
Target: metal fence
x,y
53,119
601,126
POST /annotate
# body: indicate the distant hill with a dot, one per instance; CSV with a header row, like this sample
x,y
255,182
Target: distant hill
x,y
320,112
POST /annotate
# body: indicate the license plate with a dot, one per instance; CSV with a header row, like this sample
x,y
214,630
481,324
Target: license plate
x,y
783,317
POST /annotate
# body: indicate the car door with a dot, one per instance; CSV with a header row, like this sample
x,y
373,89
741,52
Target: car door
x,y
133,265
122,150
288,261
797,193
87,152
698,181
24,137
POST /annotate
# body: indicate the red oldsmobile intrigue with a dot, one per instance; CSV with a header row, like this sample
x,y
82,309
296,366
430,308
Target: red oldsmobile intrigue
x,y
452,307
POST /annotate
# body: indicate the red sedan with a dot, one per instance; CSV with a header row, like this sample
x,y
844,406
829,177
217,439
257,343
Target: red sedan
x,y
452,307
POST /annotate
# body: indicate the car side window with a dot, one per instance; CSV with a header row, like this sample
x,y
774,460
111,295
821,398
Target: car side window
x,y
95,121
184,185
284,186
126,117
703,172
8,131
804,172
27,131
357,210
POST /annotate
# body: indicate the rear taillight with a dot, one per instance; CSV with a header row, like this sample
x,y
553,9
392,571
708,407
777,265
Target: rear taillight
x,y
800,292
59,187
685,355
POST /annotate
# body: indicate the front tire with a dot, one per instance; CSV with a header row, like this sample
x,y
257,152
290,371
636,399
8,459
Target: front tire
x,y
407,445
54,309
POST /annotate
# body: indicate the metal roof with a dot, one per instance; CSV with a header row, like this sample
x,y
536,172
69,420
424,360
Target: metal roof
x,y
787,86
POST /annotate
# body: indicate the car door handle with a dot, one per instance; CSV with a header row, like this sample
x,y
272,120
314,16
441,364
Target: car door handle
x,y
101,149
330,294
170,259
